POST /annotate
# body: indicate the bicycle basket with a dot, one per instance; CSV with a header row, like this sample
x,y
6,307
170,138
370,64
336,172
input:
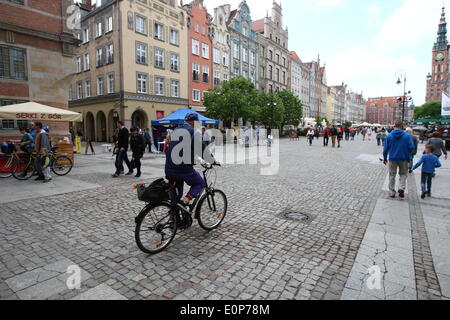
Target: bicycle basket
x,y
156,192
8,148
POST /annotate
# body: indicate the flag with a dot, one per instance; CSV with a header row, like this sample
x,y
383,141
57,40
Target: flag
x,y
445,105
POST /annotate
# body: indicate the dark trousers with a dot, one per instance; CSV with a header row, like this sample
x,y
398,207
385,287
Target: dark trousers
x,y
427,179
310,139
379,142
136,162
122,156
192,179
325,141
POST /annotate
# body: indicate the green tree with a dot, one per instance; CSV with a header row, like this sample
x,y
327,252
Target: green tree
x,y
233,100
271,110
430,109
348,124
293,109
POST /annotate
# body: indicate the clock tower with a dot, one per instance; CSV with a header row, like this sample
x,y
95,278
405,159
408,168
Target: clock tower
x,y
438,79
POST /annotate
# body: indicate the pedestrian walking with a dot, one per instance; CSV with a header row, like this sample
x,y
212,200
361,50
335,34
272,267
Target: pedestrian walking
x,y
352,133
398,149
429,163
378,137
42,146
137,145
347,133
369,134
317,133
363,133
326,136
416,145
147,140
334,133
383,136
123,139
438,144
310,136
340,136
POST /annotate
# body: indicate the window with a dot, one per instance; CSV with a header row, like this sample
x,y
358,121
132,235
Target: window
x,y
216,80
70,93
141,25
99,57
235,51
174,62
216,56
284,77
245,31
196,28
225,77
111,83
284,62
17,1
205,50
252,58
98,29
109,24
159,86
270,55
87,85
159,58
205,74
86,62
141,53
203,30
174,37
79,90
175,88
270,73
109,54
225,58
78,64
195,72
195,47
278,75
100,87
142,83
12,124
159,31
245,55
278,58
196,95
86,35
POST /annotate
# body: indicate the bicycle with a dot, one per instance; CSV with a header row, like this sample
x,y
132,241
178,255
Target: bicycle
x,y
8,164
163,219
60,165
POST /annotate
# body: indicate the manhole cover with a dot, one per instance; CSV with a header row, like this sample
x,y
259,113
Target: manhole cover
x,y
298,216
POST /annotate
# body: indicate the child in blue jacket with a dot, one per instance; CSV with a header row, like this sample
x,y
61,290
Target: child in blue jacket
x,y
429,163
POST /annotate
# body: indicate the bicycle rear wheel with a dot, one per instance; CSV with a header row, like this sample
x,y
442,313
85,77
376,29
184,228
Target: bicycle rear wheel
x,y
156,228
7,164
211,210
62,165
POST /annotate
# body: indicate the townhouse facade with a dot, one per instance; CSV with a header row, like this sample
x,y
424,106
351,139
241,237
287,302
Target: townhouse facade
x,y
244,57
221,45
131,65
381,110
354,107
278,56
36,52
199,53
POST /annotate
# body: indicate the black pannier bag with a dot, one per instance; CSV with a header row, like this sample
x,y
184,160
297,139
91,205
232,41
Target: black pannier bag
x,y
156,192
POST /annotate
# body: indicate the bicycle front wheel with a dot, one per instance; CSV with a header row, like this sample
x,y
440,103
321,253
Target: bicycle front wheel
x,y
62,166
212,209
24,169
156,228
7,165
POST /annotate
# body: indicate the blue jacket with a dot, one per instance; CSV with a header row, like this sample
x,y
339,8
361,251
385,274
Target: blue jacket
x,y
399,146
430,163
175,170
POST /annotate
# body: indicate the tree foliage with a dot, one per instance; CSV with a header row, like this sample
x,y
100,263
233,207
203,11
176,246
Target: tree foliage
x,y
293,109
430,109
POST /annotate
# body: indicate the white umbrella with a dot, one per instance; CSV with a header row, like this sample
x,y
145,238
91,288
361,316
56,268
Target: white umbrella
x,y
34,111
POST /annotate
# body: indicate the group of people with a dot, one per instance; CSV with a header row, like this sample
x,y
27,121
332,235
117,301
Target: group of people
x,y
336,134
400,148
36,138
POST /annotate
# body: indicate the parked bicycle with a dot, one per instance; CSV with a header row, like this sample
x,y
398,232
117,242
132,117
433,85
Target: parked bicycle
x,y
9,161
158,222
60,165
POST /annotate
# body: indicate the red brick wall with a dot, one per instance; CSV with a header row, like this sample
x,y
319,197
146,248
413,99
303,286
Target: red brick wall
x,y
12,89
24,17
26,40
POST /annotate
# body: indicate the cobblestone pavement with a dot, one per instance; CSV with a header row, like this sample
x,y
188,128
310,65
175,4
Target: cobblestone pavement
x,y
256,254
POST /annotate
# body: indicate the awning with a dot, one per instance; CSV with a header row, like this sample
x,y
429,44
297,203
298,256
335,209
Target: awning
x,y
33,111
426,120
177,118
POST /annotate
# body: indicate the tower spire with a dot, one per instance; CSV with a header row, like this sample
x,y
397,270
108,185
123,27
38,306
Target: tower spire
x,y
442,42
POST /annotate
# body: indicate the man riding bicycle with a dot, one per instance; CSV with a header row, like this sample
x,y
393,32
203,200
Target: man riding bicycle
x,y
179,167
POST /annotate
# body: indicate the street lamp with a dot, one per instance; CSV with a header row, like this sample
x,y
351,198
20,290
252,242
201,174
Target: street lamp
x,y
401,74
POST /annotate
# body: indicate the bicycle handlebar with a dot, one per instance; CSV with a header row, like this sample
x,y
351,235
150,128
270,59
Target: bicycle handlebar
x,y
209,166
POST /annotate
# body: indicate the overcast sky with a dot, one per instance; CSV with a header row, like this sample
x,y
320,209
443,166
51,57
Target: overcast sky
x,y
363,42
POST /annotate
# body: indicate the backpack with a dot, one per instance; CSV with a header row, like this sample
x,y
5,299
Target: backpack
x,y
156,192
7,148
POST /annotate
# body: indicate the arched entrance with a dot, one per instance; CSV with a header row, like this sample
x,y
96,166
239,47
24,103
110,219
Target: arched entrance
x,y
113,117
89,127
101,127
139,119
